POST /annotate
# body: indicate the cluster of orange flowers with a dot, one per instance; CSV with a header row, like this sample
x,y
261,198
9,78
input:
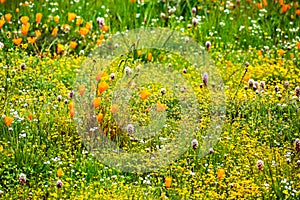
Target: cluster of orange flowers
x,y
72,17
284,7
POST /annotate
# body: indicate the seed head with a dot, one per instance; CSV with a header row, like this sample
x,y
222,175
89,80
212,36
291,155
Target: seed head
x,y
207,45
112,76
22,178
130,129
194,144
59,98
59,184
251,83
260,164
286,84
100,21
262,85
205,78
71,94
23,66
128,71
194,10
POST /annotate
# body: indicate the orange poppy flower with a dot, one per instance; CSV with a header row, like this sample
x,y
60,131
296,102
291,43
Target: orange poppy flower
x,y
101,37
149,56
60,48
38,18
298,45
265,3
71,106
102,87
83,31
98,42
297,12
281,52
54,31
89,25
168,181
73,44
59,172
38,33
56,19
160,107
221,173
25,28
259,6
79,21
296,4
31,40
145,94
8,17
96,102
100,75
72,113
281,2
284,8
2,22
30,116
81,89
139,52
105,28
99,117
2,1
71,16
24,19
17,41
8,120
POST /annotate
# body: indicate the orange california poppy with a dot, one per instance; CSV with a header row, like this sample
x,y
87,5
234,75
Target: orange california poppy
x,y
2,22
8,17
221,173
31,40
168,181
79,21
38,17
24,19
96,102
73,44
56,19
71,16
102,87
83,31
160,107
17,41
99,117
54,31
105,28
145,94
60,172
8,120
60,48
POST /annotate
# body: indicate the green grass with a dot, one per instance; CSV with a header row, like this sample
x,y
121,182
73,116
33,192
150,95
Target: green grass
x,y
259,124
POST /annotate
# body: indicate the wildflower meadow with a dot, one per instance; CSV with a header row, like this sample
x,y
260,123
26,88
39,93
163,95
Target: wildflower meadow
x,y
149,99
